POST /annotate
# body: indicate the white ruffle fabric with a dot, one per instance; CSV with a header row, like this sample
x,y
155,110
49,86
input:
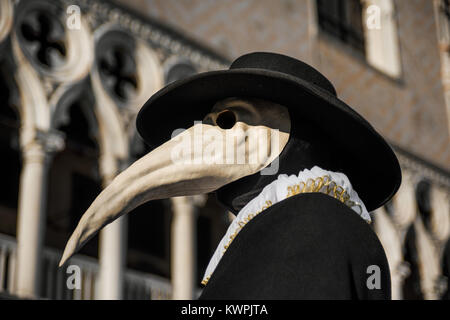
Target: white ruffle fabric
x,y
278,191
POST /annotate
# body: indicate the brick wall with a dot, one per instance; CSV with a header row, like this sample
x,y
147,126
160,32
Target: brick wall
x,y
409,112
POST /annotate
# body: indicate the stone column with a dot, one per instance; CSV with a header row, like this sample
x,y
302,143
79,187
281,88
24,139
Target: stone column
x,y
112,246
36,150
183,251
112,258
183,246
398,275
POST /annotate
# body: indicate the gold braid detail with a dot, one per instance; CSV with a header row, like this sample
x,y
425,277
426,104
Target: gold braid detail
x,y
323,185
241,224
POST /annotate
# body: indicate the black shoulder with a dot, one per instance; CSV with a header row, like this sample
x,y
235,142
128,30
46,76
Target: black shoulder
x,y
309,246
320,215
329,214
320,224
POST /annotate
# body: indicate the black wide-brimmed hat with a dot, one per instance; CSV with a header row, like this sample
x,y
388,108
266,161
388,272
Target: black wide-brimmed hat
x,y
371,165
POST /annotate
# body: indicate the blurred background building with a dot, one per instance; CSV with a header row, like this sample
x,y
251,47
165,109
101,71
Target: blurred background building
x,y
74,73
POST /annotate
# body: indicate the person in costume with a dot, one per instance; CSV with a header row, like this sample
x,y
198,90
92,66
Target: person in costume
x,y
299,168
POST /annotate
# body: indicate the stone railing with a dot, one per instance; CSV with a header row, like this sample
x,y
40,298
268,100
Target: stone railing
x,y
138,285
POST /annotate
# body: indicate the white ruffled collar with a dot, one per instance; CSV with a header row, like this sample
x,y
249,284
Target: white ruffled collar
x,y
335,184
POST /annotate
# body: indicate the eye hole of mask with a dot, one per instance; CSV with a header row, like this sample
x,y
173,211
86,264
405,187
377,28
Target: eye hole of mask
x,y
226,119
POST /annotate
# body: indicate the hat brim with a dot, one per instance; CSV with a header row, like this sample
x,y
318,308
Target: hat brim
x,y
373,167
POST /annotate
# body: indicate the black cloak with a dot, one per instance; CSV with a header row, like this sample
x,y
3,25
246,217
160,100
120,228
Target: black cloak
x,y
309,246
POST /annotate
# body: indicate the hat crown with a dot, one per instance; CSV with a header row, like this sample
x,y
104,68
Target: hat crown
x,y
284,64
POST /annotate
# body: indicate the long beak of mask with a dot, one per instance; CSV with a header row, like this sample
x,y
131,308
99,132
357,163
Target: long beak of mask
x,y
199,160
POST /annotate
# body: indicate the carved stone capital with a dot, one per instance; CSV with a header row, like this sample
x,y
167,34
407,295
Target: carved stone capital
x,y
38,146
188,204
6,18
108,168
